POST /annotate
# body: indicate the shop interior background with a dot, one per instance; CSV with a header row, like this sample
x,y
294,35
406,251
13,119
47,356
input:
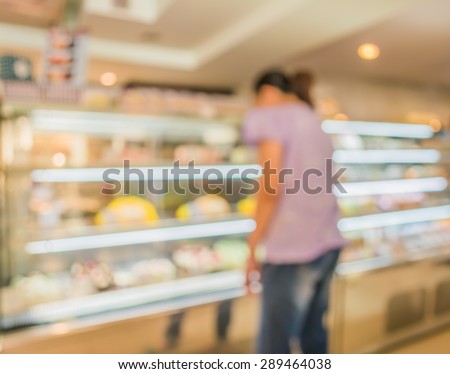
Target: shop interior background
x,y
88,84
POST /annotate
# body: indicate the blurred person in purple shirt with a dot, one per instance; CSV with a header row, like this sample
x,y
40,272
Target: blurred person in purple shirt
x,y
296,216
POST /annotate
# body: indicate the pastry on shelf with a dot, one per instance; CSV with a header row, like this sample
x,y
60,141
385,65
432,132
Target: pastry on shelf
x,y
196,259
233,253
199,154
247,206
126,210
98,274
37,288
243,155
153,271
204,207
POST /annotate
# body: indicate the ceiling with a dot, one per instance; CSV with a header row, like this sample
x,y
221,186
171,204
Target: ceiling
x,y
226,42
39,13
415,46
182,24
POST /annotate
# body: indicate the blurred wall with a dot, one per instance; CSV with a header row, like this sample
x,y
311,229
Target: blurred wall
x,y
384,100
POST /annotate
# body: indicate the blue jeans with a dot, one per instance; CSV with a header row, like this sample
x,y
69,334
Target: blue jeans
x,y
294,301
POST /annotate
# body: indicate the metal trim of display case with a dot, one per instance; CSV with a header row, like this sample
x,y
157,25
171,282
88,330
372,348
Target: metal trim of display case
x,y
360,303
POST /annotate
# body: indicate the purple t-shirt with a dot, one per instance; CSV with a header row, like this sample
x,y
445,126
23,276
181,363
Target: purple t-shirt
x,y
305,223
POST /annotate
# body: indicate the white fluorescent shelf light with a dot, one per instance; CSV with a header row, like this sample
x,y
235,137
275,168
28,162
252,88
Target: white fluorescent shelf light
x,y
387,156
396,186
128,126
159,173
203,230
385,129
394,218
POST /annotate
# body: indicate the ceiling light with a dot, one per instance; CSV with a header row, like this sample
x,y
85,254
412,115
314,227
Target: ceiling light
x,y
108,79
368,51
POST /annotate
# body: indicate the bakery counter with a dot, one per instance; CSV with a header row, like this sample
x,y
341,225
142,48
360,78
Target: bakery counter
x,y
382,302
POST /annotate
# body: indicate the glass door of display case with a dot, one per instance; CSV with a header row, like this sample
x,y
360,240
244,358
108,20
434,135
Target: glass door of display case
x,y
395,194
396,214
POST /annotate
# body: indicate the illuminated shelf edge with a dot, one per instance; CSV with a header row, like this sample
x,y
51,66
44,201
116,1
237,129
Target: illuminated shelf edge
x,y
382,129
160,173
192,231
394,218
387,156
394,186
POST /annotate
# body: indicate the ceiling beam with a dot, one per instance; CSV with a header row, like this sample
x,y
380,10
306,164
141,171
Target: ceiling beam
x,y
259,20
25,37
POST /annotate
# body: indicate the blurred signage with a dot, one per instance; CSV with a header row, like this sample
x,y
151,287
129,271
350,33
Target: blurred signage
x,y
65,58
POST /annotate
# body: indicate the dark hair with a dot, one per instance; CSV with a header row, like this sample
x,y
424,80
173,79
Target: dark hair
x,y
301,84
274,78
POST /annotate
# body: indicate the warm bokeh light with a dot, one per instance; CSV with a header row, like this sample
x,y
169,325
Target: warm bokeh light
x,y
59,159
108,79
341,117
436,124
368,51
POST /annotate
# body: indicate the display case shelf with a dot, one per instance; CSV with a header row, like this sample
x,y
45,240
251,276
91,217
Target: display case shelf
x,y
394,218
381,129
75,240
387,156
153,173
126,125
164,233
212,287
76,251
393,186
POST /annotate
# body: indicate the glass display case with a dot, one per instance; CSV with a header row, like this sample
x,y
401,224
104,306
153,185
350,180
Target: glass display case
x,y
394,275
95,225
394,193
95,220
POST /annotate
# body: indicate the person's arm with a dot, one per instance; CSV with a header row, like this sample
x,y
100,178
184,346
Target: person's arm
x,y
271,158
